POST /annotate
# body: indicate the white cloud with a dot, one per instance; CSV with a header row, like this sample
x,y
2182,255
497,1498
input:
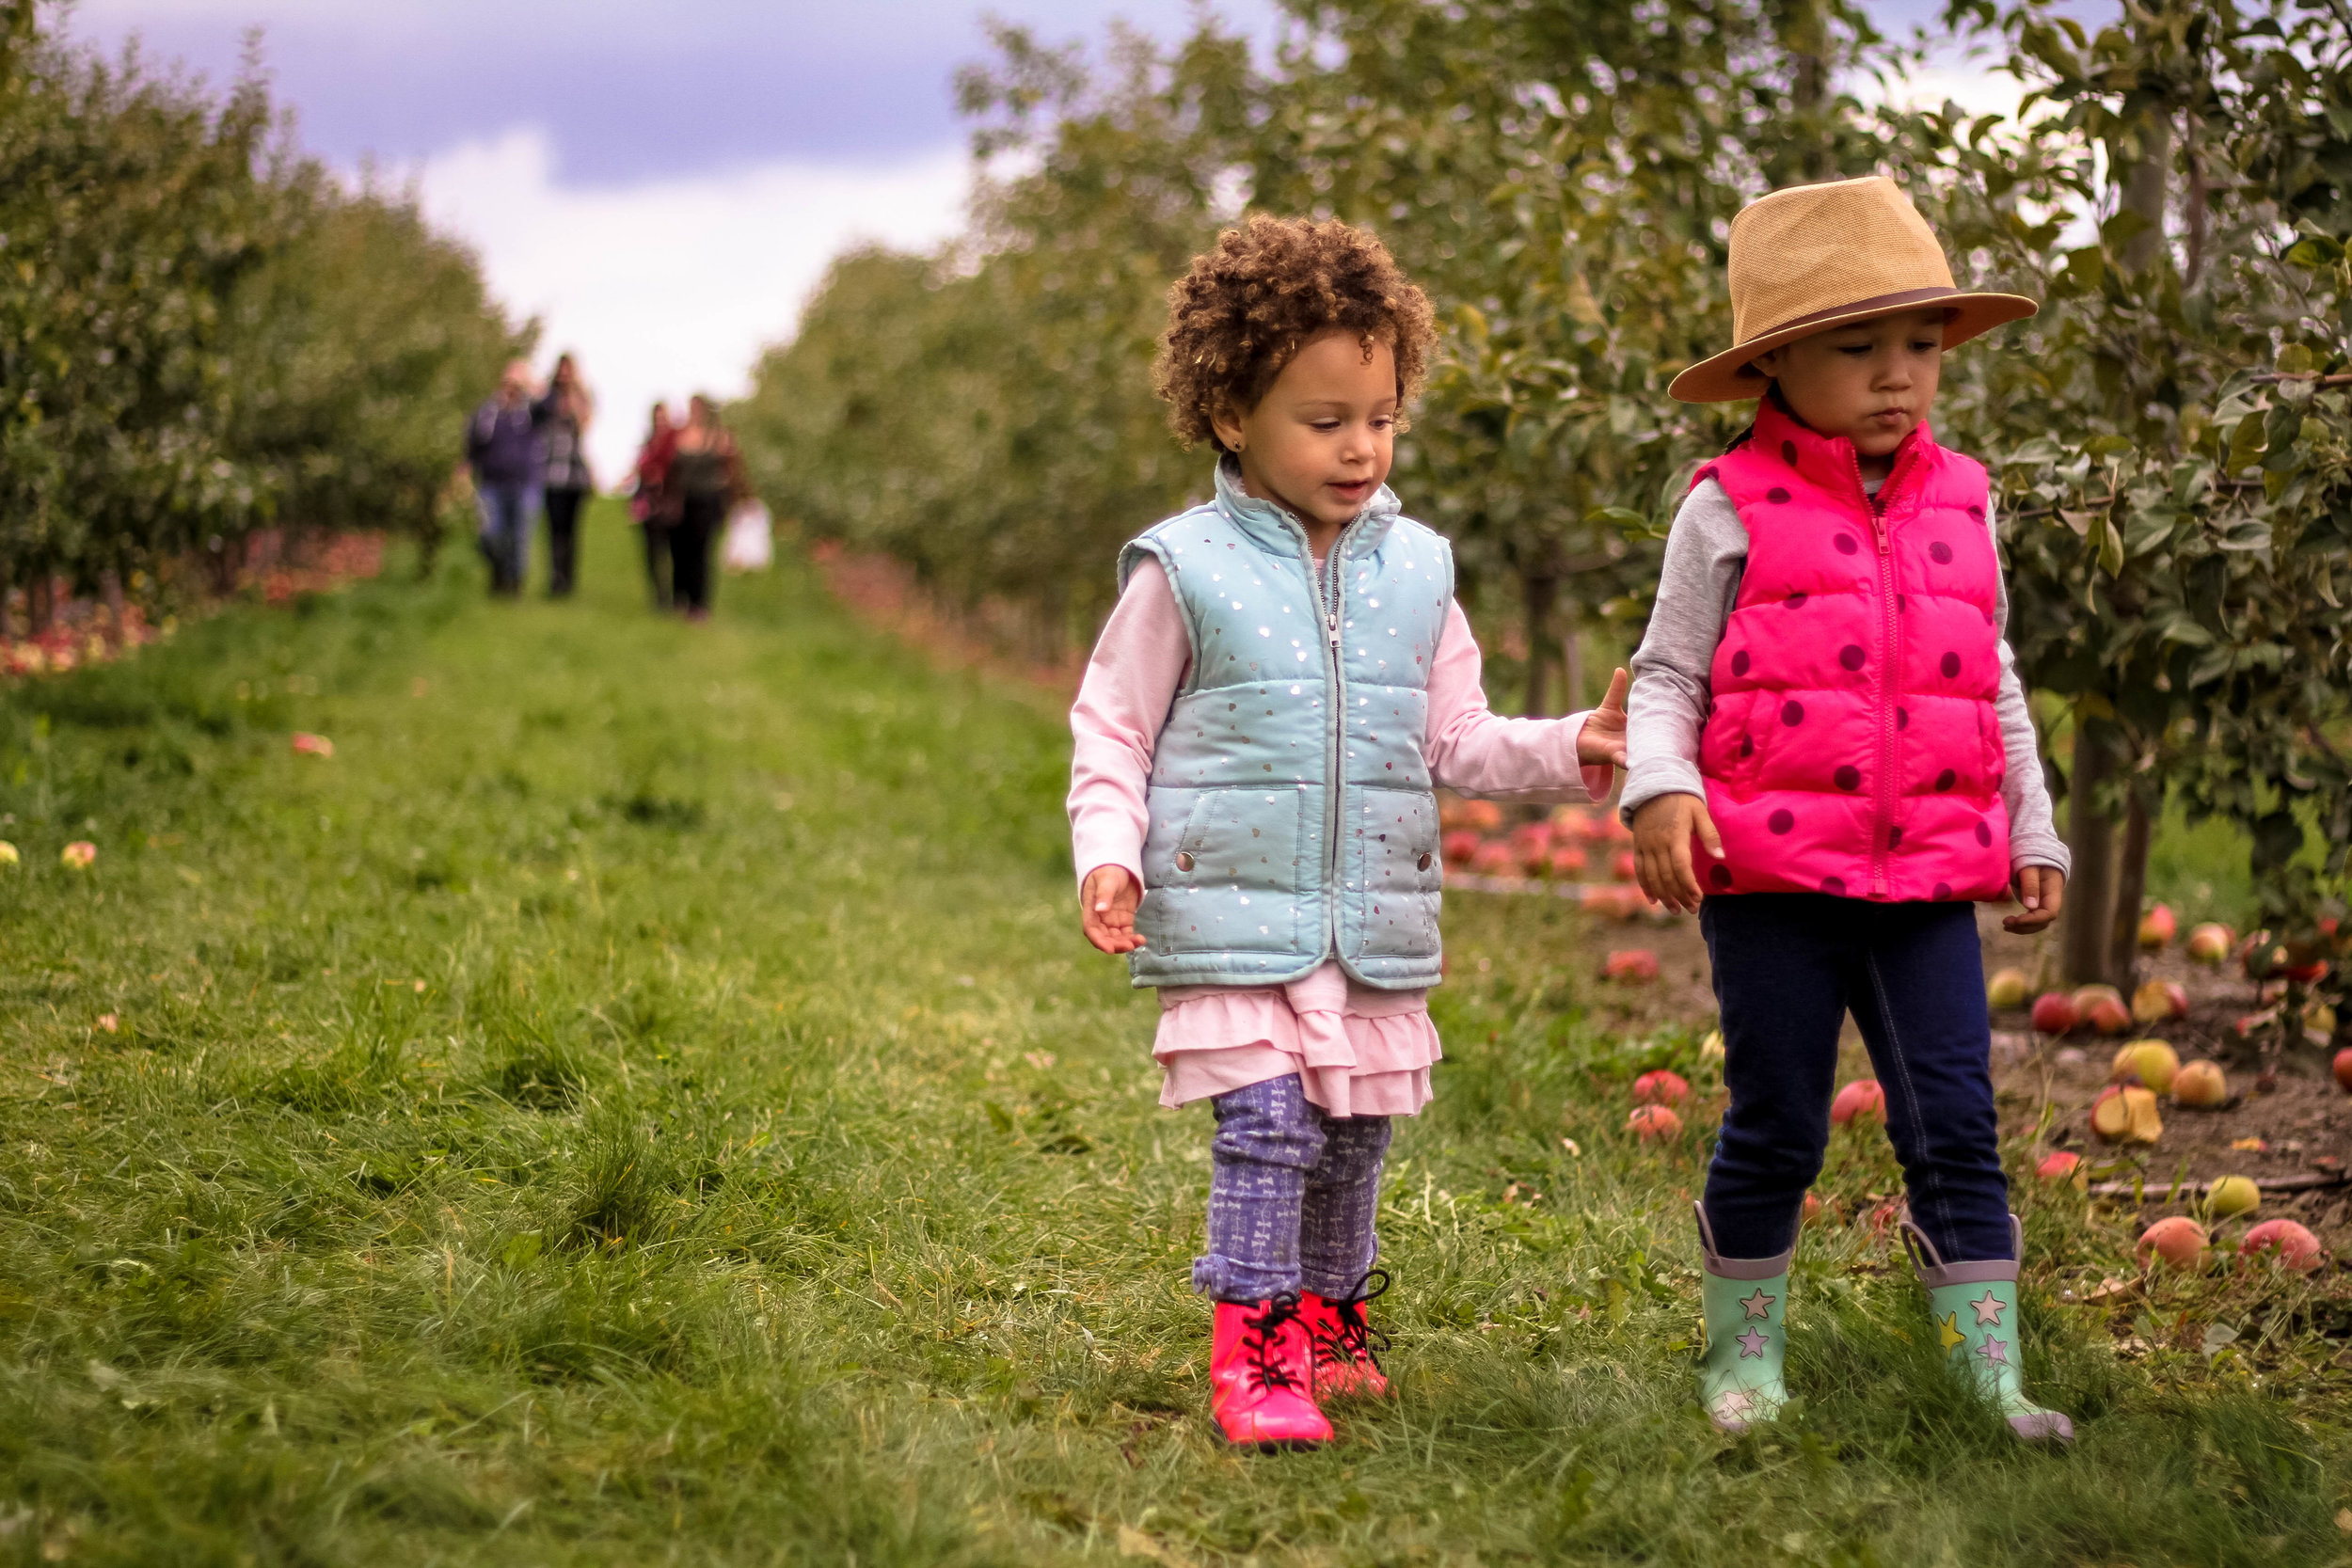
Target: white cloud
x,y
671,287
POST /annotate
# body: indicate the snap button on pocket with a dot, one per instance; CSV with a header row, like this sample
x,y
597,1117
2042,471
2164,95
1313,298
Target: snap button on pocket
x,y
1183,860
1423,862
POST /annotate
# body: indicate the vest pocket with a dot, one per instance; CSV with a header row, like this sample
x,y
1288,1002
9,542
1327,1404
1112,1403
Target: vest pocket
x,y
1393,875
1221,871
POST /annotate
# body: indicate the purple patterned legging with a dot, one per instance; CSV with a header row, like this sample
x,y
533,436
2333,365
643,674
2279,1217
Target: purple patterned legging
x,y
1292,1195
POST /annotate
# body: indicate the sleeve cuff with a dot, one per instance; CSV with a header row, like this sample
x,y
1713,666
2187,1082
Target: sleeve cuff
x,y
1647,781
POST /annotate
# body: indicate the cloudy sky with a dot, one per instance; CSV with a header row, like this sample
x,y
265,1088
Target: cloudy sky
x,y
660,183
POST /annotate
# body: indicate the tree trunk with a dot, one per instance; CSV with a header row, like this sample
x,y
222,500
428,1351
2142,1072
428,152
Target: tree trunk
x,y
1572,657
37,606
2090,912
7,586
1542,591
2131,887
110,587
2144,190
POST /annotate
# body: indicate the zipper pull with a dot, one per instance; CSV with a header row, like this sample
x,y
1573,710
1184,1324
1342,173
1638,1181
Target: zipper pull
x,y
1331,620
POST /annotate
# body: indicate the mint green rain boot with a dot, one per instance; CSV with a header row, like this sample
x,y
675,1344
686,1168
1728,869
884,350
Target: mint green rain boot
x,y
1974,1309
1744,1301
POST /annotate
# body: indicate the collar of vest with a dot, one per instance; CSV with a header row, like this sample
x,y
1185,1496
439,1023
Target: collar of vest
x,y
1831,461
1274,530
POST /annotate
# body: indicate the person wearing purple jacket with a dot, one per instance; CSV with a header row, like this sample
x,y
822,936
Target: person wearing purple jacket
x,y
502,449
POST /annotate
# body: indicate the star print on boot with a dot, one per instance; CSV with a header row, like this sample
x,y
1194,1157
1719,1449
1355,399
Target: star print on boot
x,y
1973,1305
1742,1303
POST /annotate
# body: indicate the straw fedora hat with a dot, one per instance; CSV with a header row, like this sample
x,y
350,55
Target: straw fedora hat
x,y
1813,256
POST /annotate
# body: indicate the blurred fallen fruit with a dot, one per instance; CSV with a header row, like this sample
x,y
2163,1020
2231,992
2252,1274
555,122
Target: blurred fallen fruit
x,y
306,744
2054,1013
1652,1122
2178,1240
2209,943
2059,1165
1812,1210
2232,1195
2200,1083
2292,1245
2344,1070
2159,1001
1623,867
1566,860
109,1022
1861,1098
2106,1014
1459,846
1661,1088
2008,988
78,855
2087,997
2156,928
1633,964
2152,1061
2125,1113
8,853
1484,815
1493,858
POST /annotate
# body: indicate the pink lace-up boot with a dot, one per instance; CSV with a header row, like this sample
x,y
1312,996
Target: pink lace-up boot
x,y
1346,1345
1262,1375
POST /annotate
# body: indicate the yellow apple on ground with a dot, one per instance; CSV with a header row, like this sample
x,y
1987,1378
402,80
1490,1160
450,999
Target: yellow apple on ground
x,y
2159,1001
78,855
2152,1061
2178,1241
8,853
2125,1113
2156,927
2007,989
2232,1195
2202,1084
2210,944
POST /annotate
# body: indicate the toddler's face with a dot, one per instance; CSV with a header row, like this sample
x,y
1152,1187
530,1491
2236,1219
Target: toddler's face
x,y
1872,382
1321,440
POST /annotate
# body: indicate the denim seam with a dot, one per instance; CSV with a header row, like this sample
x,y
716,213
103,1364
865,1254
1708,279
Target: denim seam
x,y
1938,1196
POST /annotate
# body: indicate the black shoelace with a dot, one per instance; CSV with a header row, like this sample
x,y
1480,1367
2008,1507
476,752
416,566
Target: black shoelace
x,y
1355,1337
1263,1339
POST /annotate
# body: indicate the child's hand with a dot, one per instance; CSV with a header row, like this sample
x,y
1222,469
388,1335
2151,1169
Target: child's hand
x,y
1602,739
2041,889
1661,848
1106,908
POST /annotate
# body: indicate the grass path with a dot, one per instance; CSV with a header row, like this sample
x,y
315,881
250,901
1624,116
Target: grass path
x,y
643,1100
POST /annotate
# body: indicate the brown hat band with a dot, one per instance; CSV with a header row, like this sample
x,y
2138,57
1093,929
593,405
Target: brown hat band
x,y
1876,302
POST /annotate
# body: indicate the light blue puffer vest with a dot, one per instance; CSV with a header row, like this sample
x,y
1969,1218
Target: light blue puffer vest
x,y
1281,836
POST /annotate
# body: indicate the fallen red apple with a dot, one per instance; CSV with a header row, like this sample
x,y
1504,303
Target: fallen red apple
x,y
1651,1123
2156,928
2158,1001
1632,963
78,855
1812,1210
1493,858
1459,846
306,744
2304,974
2008,988
2054,1012
1623,867
2344,1070
2108,1015
2152,1062
1661,1088
2200,1083
1861,1098
2292,1245
1566,860
1532,842
2209,943
2059,1165
1483,815
2178,1240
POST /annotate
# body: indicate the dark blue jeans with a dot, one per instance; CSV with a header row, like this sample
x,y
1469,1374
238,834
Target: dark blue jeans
x,y
1788,968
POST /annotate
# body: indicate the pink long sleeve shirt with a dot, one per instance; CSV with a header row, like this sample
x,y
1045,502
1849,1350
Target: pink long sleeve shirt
x,y
1358,1051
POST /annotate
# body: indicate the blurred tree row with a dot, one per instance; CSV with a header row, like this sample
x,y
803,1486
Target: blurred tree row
x,y
202,334
2169,436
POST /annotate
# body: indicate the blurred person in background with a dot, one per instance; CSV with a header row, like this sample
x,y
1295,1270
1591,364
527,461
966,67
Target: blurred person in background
x,y
706,471
503,452
562,418
653,504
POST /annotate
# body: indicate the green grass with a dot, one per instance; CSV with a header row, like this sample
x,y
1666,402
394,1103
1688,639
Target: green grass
x,y
644,1101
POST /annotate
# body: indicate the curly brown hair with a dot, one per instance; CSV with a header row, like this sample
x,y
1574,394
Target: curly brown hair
x,y
1248,307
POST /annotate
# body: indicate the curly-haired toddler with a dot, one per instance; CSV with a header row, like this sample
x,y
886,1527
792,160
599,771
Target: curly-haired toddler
x,y
1284,680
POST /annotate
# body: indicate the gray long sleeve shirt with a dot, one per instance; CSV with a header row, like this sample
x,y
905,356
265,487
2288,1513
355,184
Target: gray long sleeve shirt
x,y
1707,553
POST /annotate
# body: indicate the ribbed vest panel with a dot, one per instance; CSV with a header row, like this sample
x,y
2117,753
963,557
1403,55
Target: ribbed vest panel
x,y
1291,813
1853,746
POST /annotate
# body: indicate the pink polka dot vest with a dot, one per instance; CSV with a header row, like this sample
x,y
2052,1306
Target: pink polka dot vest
x,y
1853,748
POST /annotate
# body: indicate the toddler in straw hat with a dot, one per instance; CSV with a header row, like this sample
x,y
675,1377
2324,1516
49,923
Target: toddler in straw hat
x,y
1830,759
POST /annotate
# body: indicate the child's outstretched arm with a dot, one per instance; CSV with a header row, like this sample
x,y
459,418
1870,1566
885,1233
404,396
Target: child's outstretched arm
x,y
1139,663
1473,749
1665,801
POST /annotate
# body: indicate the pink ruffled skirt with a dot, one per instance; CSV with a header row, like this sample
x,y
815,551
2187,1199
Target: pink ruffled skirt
x,y
1357,1050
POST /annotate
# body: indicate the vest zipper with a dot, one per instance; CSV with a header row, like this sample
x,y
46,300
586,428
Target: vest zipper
x,y
1328,599
1890,668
